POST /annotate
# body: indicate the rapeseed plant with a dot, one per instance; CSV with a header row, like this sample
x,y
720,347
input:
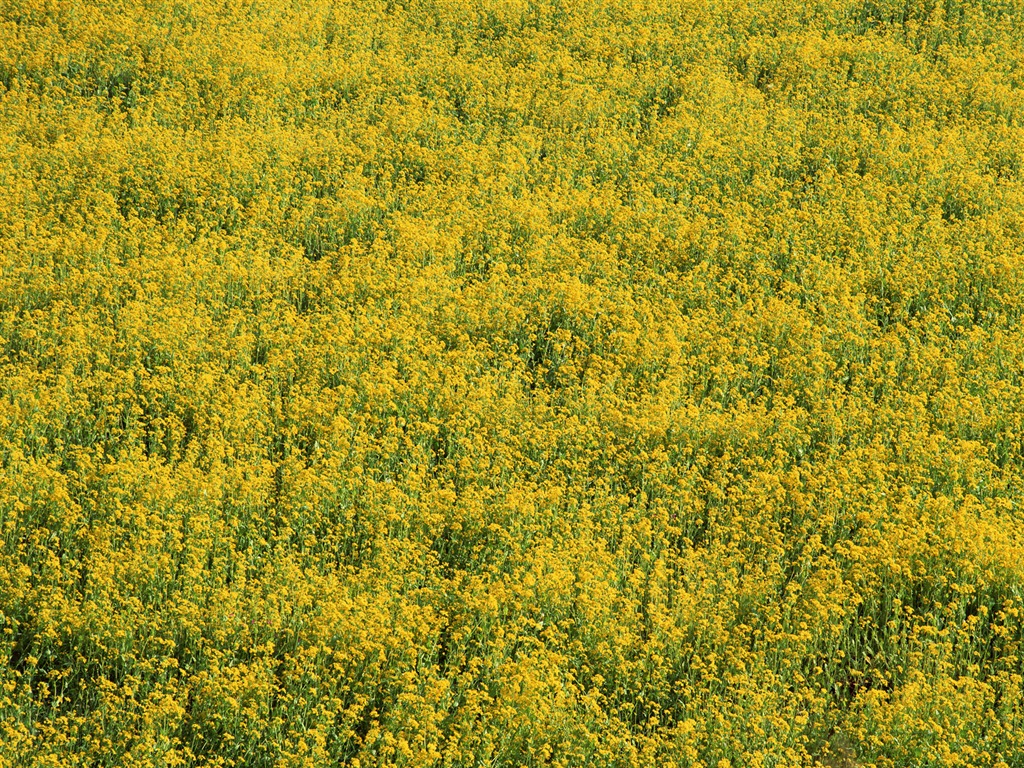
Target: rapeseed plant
x,y
511,383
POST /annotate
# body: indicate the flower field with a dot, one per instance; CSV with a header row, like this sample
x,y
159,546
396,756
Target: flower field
x,y
511,383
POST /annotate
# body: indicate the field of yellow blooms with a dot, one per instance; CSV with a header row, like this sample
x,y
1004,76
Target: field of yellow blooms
x,y
511,383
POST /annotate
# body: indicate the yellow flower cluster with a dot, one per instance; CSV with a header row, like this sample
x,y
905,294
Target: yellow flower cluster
x,y
511,383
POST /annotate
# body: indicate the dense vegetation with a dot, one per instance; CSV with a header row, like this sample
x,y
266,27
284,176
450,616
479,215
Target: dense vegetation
x,y
511,383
